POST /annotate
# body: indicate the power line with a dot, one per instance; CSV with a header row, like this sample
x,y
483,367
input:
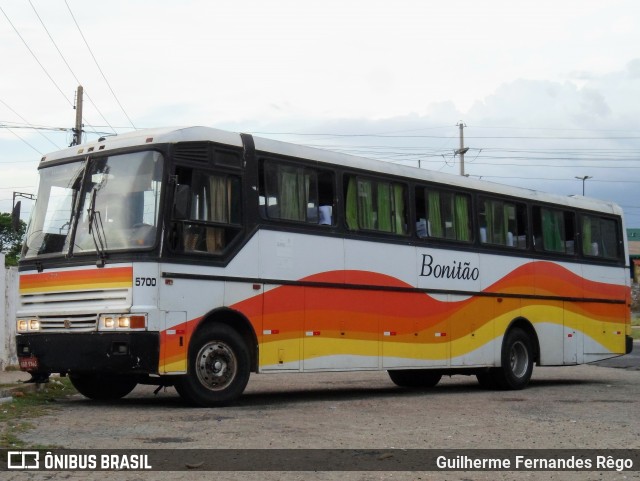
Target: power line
x,y
25,120
69,67
23,140
98,65
558,180
509,137
553,128
17,125
32,127
35,57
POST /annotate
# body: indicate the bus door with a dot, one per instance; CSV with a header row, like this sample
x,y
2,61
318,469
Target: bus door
x,y
173,343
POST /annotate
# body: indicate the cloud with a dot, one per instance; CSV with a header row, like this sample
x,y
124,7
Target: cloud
x,y
593,103
633,68
518,76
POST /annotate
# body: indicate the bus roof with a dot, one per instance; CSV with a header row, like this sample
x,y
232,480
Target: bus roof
x,y
206,134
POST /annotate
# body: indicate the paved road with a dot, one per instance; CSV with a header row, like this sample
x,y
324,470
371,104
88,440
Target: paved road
x,y
588,406
630,361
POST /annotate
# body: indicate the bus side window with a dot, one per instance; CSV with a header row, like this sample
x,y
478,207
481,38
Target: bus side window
x,y
554,230
600,237
326,198
296,193
375,205
503,223
443,214
207,208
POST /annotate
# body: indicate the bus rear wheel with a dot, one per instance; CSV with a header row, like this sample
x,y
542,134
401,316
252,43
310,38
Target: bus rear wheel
x,y
517,361
415,377
103,387
218,370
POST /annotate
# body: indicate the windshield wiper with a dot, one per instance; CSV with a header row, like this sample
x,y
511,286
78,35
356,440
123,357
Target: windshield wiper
x,y
96,230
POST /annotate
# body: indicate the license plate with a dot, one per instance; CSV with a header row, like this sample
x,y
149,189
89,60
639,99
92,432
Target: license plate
x,y
28,363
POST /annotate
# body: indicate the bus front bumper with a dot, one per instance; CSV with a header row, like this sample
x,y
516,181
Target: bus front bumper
x,y
104,352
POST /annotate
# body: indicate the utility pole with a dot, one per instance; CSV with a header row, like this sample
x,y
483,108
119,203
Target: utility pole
x,y
77,131
462,150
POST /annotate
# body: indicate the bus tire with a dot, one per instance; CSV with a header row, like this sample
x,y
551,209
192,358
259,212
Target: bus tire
x,y
219,367
517,361
103,387
415,377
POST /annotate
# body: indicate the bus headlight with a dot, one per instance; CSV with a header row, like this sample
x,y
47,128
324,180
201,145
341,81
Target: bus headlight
x,y
107,323
122,322
28,325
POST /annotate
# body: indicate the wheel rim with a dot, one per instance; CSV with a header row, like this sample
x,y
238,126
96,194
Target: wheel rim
x,y
519,358
216,366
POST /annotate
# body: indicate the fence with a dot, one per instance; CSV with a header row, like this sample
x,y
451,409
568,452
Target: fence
x,y
8,302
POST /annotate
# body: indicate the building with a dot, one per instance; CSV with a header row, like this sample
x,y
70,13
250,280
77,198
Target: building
x,y
633,238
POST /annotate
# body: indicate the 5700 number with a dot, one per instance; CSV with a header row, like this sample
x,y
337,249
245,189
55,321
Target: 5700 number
x,y
145,281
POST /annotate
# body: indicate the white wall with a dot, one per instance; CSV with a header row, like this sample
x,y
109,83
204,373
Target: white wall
x,y
8,303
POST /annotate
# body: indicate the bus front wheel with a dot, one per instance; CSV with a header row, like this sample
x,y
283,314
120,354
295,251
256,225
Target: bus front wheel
x,y
415,377
103,387
219,367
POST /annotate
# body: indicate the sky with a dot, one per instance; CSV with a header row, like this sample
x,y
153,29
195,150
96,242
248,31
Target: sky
x,y
546,91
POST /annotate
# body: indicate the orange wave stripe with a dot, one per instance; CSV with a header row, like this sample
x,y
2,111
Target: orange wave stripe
x,y
291,309
414,317
105,278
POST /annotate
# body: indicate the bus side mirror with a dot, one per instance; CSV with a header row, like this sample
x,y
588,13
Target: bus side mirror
x,y
181,202
15,216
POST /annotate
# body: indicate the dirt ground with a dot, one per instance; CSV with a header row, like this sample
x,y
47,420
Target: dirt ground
x,y
567,407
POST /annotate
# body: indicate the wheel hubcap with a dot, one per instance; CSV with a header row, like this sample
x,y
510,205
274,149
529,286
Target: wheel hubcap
x,y
216,366
519,357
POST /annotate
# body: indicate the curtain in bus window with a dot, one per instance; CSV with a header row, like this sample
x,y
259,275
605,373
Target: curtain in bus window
x,y
461,218
504,227
552,230
384,207
498,214
366,214
399,226
609,233
509,220
352,204
293,187
488,212
435,214
587,246
218,212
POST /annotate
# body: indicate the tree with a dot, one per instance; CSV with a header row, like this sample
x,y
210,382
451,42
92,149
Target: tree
x,y
10,241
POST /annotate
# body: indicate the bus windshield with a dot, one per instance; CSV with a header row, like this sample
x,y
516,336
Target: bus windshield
x,y
50,224
118,208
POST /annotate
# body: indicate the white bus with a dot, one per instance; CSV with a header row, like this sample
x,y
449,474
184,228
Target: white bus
x,y
192,257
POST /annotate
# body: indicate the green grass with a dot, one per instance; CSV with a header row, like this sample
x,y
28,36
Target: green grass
x,y
26,405
635,321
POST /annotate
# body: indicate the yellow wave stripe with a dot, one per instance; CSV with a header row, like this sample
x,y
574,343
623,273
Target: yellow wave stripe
x,y
425,346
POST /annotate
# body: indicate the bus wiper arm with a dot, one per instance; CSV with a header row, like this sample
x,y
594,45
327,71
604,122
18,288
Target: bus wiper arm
x,y
96,230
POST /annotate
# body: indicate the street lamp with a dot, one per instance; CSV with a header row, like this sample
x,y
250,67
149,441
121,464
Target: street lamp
x,y
584,179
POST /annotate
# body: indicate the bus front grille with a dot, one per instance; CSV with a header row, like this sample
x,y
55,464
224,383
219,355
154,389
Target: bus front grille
x,y
69,323
73,311
74,299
